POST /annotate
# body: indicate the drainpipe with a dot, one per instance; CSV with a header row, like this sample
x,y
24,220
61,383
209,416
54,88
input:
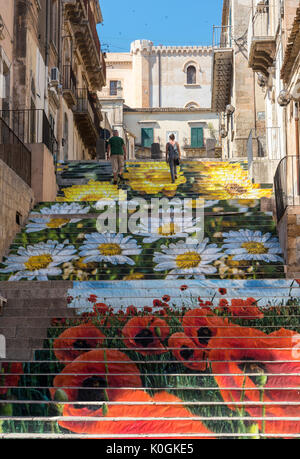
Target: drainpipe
x,y
297,128
297,142
60,117
47,53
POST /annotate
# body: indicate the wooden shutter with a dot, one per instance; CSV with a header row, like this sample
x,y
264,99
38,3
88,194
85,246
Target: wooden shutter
x,y
197,137
147,137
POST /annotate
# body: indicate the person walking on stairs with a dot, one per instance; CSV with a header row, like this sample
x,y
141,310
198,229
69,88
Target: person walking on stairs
x,y
116,152
173,155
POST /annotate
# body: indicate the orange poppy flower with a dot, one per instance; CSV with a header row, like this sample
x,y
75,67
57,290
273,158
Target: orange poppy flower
x,y
96,375
171,408
166,298
10,375
185,350
101,308
201,325
146,335
76,341
131,311
259,365
246,308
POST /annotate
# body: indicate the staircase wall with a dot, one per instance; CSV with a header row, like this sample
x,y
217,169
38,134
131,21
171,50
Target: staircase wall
x,y
289,236
15,196
43,173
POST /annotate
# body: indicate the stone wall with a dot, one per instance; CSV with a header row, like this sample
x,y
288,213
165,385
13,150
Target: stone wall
x,y
15,197
289,235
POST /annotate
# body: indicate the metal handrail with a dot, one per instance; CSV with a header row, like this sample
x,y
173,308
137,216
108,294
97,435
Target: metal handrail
x,y
14,153
286,184
31,126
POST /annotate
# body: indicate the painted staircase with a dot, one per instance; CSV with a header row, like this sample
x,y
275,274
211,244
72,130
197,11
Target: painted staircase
x,y
162,333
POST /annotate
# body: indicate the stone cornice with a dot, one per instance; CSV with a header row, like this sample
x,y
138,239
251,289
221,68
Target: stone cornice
x,y
168,110
292,49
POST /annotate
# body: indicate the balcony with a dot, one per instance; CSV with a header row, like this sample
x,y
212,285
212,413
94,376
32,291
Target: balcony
x,y
109,93
84,25
222,67
86,116
261,38
14,153
69,85
31,126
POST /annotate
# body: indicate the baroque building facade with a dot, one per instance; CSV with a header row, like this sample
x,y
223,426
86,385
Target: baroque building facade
x,y
171,94
57,68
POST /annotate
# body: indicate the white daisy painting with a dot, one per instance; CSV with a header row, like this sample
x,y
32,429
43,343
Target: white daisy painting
x,y
116,249
250,245
188,259
63,209
39,261
167,228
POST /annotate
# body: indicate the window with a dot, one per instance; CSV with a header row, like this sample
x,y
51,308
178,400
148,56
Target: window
x,y
191,74
113,88
191,105
147,137
197,137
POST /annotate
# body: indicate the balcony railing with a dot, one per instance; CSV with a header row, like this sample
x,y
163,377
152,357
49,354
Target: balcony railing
x,y
262,22
31,126
69,79
86,108
261,36
93,26
222,37
109,93
286,182
14,153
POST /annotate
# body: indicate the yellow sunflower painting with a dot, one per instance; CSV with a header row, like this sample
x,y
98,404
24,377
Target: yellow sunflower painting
x,y
91,192
153,178
227,181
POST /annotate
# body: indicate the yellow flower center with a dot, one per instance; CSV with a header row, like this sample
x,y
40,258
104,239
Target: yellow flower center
x,y
134,276
188,260
38,262
109,250
235,189
57,222
169,229
255,248
91,197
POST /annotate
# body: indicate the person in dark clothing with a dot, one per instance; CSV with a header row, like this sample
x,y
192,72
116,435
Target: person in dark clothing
x,y
116,152
173,155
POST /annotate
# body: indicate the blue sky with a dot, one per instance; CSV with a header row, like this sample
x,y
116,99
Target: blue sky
x,y
176,22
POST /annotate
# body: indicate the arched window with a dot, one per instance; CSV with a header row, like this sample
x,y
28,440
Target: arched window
x,y
192,105
191,74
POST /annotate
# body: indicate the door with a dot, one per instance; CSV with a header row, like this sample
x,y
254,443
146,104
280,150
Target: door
x,y
147,137
197,137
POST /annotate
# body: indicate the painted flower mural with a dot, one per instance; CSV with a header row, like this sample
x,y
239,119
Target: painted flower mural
x,y
110,248
38,262
187,259
156,334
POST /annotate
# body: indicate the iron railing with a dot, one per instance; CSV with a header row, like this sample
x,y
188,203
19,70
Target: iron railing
x,y
286,183
222,37
69,79
31,126
93,26
14,153
86,105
